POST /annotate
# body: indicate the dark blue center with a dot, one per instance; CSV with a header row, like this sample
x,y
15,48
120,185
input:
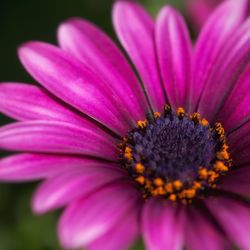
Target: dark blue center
x,y
173,147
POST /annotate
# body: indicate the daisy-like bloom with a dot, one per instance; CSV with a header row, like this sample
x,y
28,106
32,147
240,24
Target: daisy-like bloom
x,y
164,155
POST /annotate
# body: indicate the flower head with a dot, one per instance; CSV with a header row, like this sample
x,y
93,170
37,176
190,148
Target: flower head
x,y
165,155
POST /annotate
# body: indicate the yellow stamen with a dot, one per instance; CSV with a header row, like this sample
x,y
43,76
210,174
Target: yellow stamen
x,y
172,197
169,187
203,173
158,182
140,179
204,122
197,185
139,168
142,124
177,185
157,114
220,166
212,176
180,112
223,155
196,117
188,193
161,191
128,153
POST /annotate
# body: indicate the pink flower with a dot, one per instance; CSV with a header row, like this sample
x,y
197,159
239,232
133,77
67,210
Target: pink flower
x,y
111,153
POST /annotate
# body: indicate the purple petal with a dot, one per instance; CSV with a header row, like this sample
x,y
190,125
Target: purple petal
x,y
26,102
57,137
162,226
135,30
74,83
96,50
30,167
239,138
62,189
201,233
85,220
200,10
237,181
121,236
229,66
220,26
233,215
236,109
174,55
242,156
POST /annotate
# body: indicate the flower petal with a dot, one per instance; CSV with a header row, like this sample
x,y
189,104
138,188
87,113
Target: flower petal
x,y
201,233
30,167
220,26
239,139
96,50
162,226
137,37
62,189
241,157
237,181
236,109
233,215
174,55
229,66
74,83
28,102
121,236
85,220
57,137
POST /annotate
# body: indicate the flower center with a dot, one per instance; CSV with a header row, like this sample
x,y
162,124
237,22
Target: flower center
x,y
175,155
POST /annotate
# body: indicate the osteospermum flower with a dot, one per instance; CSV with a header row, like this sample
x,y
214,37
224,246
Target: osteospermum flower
x,y
165,157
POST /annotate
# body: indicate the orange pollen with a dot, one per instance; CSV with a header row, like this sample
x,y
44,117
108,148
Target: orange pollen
x,y
169,187
142,124
220,167
157,114
140,179
204,122
180,112
139,168
177,185
181,189
158,182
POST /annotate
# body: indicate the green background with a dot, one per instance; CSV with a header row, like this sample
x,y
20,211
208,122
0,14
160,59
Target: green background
x,y
21,21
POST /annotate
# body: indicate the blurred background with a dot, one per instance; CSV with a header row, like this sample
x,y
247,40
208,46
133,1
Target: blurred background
x,y
21,21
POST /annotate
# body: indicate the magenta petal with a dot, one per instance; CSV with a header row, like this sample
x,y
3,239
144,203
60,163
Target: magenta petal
x,y
212,39
234,217
85,220
137,37
27,102
230,64
62,189
200,233
174,54
57,137
162,226
121,236
200,10
74,83
236,109
96,50
30,167
239,138
242,156
237,181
